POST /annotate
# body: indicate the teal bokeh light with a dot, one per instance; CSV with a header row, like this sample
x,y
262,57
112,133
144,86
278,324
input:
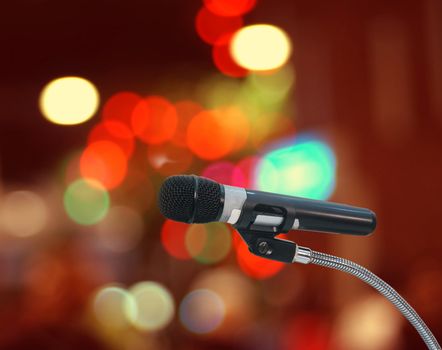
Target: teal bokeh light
x,y
304,168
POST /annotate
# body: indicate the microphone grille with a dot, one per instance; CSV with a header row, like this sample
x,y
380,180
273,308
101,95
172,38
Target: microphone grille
x,y
209,203
177,199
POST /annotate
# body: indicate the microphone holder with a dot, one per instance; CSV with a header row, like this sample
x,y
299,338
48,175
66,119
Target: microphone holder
x,y
262,241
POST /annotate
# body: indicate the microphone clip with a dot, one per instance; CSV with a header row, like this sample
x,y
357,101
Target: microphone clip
x,y
261,239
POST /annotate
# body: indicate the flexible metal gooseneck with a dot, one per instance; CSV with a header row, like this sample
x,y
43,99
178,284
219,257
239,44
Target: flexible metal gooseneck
x,y
306,256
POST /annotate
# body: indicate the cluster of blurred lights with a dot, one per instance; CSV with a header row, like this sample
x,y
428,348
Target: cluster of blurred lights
x,y
207,243
147,306
236,49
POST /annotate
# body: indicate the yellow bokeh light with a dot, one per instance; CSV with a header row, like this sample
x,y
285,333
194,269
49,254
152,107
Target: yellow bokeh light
x,y
260,47
69,100
153,306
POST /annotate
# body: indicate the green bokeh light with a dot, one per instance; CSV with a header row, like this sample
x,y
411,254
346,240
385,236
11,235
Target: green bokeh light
x,y
86,201
306,168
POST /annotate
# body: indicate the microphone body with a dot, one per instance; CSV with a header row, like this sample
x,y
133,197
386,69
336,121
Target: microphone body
x,y
310,215
194,199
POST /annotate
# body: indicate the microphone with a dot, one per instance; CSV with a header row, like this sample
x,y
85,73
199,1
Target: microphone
x,y
194,199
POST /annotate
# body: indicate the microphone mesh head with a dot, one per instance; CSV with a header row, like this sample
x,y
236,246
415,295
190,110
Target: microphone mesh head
x,y
177,201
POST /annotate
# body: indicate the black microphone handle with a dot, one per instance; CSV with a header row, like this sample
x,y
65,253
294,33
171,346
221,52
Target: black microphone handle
x,y
322,216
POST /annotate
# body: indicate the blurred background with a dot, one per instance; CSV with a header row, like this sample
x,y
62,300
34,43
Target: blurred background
x,y
101,100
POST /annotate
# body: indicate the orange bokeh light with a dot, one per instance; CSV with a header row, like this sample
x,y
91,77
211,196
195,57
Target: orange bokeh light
x,y
208,137
223,59
229,7
186,110
173,239
211,27
236,123
154,120
252,265
104,161
213,134
169,159
115,131
120,106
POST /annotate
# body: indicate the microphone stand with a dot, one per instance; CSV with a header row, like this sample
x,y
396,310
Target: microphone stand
x,y
262,242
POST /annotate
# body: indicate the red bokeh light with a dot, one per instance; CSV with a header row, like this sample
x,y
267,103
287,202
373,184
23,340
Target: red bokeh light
x,y
173,239
154,120
211,27
116,132
104,161
223,59
186,110
252,265
169,159
229,7
120,106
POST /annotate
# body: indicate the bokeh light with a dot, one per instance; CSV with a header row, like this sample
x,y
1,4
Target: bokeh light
x,y
246,170
223,59
261,47
272,87
86,201
225,172
207,137
22,213
153,307
69,100
261,134
109,306
186,110
216,133
208,243
154,120
173,239
218,91
253,265
169,159
368,324
121,230
230,7
116,132
202,311
105,162
70,167
236,291
211,27
305,168
119,107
